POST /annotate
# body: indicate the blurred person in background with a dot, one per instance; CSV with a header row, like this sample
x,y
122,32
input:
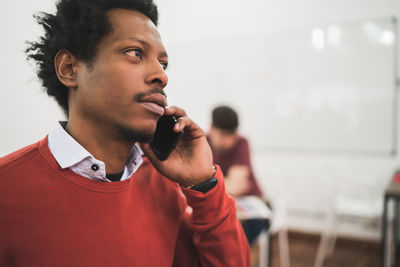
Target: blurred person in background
x,y
231,151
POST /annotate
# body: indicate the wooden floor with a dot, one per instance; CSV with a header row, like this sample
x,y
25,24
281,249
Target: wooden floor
x,y
348,253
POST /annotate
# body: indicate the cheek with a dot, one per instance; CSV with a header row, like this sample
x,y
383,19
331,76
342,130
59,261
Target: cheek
x,y
118,87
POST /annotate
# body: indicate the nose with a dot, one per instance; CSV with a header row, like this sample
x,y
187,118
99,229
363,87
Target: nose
x,y
157,75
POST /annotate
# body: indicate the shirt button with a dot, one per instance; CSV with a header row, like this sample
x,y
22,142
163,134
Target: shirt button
x,y
95,167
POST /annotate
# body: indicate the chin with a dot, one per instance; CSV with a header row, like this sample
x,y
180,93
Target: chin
x,y
136,134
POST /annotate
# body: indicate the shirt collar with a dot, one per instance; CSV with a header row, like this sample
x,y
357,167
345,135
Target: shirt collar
x,y
68,152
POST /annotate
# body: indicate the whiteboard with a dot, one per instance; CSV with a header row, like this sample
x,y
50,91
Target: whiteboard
x,y
325,88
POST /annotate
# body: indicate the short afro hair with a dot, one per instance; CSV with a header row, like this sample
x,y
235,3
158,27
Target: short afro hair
x,y
225,118
77,26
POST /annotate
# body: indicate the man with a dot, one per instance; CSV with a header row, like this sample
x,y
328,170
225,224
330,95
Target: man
x,y
83,196
231,151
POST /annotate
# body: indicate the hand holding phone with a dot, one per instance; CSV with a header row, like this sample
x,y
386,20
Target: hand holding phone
x,y
190,160
165,139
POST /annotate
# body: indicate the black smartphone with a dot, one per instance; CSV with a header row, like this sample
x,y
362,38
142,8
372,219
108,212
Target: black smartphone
x,y
165,139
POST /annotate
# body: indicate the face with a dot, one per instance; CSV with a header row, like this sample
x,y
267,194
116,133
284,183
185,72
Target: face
x,y
121,92
222,141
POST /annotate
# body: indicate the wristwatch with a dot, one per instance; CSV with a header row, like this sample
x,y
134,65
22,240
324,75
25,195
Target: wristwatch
x,y
206,185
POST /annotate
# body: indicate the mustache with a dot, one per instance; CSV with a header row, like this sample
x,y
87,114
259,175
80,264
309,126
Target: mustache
x,y
153,91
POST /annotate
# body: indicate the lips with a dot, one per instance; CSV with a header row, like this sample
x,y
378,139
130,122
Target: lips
x,y
154,103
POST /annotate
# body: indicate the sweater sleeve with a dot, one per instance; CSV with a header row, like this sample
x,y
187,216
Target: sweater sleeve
x,y
211,235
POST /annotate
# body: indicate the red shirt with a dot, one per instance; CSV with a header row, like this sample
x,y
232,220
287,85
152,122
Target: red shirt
x,y
238,155
51,216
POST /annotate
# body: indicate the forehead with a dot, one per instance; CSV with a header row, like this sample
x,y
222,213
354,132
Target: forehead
x,y
128,24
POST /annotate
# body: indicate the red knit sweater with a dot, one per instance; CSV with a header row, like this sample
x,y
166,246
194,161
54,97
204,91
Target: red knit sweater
x,y
54,217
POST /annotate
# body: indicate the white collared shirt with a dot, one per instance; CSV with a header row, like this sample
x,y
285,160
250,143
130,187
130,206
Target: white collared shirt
x,y
70,154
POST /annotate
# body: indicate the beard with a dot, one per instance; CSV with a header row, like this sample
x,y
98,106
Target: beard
x,y
130,134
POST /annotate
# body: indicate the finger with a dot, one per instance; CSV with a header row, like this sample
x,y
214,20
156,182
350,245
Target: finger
x,y
186,124
175,111
181,123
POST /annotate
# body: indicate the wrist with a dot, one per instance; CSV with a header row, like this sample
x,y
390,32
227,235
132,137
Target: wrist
x,y
205,185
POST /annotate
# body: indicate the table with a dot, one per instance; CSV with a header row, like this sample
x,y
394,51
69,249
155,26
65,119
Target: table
x,y
392,192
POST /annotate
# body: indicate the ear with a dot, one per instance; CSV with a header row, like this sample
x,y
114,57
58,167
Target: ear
x,y
66,68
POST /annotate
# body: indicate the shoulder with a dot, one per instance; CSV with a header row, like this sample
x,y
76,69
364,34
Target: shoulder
x,y
18,157
243,140
242,144
18,168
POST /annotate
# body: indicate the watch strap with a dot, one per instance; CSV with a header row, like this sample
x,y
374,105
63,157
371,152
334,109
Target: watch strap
x,y
206,185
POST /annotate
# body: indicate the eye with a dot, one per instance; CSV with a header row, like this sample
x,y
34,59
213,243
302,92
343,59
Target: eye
x,y
135,52
164,65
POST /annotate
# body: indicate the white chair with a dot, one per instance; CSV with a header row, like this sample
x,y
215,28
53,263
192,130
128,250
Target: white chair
x,y
278,193
252,207
279,227
277,190
264,248
357,196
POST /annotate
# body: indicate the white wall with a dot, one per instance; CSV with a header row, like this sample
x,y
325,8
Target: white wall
x,y
27,114
311,178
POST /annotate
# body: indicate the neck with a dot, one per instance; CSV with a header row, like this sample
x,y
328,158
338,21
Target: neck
x,y
110,149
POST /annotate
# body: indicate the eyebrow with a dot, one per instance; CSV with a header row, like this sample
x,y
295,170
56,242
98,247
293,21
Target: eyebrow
x,y
146,44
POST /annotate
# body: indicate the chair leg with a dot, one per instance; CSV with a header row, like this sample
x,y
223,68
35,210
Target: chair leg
x,y
390,255
284,253
322,250
331,246
333,236
328,238
263,243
